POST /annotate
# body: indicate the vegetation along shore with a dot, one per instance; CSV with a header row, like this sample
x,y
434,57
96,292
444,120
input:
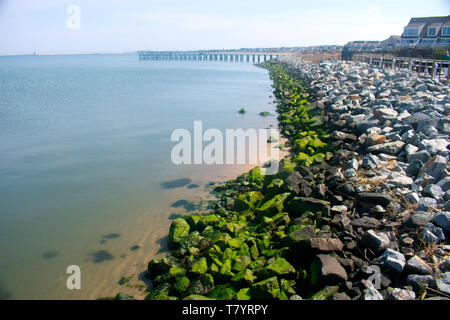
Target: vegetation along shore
x,y
358,209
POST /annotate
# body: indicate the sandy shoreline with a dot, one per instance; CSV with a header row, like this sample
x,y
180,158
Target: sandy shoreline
x,y
155,236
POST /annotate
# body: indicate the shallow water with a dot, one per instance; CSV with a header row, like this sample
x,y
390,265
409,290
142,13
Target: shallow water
x,y
85,170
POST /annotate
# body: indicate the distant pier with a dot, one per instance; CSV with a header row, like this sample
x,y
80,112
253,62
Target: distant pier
x,y
228,56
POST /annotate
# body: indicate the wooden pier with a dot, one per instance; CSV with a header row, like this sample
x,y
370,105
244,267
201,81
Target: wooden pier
x,y
426,67
228,56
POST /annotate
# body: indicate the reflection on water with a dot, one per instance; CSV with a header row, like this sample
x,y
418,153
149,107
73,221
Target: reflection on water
x,y
101,256
50,254
178,183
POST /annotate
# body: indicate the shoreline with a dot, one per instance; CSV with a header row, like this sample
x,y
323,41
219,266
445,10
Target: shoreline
x,y
366,192
227,173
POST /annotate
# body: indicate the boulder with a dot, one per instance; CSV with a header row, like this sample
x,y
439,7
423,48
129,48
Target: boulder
x,y
442,219
431,234
376,241
401,294
419,282
383,199
366,222
179,230
392,260
443,283
266,289
392,148
416,265
274,205
300,205
326,270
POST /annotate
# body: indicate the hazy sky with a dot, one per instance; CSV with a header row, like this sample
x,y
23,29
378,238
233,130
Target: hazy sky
x,y
128,25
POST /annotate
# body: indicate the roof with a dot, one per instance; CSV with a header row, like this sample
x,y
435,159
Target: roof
x,y
422,24
429,20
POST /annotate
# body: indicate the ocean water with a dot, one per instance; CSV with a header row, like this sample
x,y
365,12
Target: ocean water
x,y
85,151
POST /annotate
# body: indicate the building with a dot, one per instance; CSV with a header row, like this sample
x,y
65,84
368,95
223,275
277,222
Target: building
x,y
390,43
427,32
362,46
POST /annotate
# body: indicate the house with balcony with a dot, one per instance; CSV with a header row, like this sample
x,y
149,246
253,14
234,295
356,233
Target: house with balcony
x,y
427,32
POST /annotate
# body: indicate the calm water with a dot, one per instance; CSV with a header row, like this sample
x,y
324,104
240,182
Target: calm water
x,y
84,147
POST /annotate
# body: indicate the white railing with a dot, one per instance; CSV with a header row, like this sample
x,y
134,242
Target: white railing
x,y
424,67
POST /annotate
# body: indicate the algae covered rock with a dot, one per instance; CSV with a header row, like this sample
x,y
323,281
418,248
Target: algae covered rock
x,y
241,263
245,276
266,289
192,220
274,187
279,267
176,271
179,229
325,293
225,270
254,178
161,292
156,266
247,200
221,239
200,267
303,233
210,220
222,292
182,285
244,294
274,205
123,296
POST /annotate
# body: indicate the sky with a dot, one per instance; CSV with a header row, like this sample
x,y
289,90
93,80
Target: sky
x,y
51,26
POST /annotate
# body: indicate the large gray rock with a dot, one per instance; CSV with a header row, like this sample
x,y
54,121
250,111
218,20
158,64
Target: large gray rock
x,y
435,166
327,270
426,204
412,198
419,219
442,219
386,114
376,241
435,146
382,199
398,180
444,184
401,294
443,283
433,191
392,148
432,234
366,222
370,161
422,156
291,183
392,260
416,265
419,282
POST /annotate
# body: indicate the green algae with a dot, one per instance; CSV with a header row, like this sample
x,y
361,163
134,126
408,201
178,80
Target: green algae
x,y
238,248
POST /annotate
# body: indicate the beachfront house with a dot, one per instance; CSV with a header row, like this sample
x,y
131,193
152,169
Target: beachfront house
x,y
427,32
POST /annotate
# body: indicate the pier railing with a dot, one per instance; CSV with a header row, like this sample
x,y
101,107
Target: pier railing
x,y
425,67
